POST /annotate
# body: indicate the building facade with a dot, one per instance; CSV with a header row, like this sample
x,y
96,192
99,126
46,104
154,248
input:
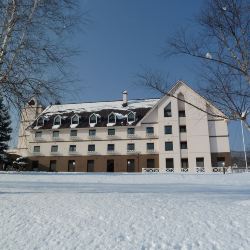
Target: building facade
x,y
168,134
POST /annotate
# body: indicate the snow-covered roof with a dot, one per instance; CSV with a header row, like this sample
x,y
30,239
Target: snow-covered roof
x,y
98,106
102,110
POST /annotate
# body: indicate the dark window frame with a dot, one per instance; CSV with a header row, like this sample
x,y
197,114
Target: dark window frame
x,y
166,130
169,146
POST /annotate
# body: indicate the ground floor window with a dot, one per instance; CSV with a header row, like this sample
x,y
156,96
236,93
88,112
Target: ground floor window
x,y
150,163
52,166
220,161
130,165
90,165
184,165
110,165
71,165
35,165
200,162
169,164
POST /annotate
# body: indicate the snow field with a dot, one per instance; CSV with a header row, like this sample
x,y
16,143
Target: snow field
x,y
124,211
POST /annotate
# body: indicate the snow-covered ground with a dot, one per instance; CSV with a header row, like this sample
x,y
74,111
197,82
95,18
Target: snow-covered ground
x,y
124,211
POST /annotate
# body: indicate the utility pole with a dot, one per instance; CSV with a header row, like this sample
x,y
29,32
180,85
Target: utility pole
x,y
244,146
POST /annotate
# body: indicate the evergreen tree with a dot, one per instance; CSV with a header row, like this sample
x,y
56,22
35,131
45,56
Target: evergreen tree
x,y
5,129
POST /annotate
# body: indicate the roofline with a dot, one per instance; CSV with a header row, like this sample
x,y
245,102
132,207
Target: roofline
x,y
120,100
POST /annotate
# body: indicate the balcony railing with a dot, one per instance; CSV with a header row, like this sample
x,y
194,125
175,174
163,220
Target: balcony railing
x,y
185,170
169,170
150,170
200,170
151,135
152,151
75,138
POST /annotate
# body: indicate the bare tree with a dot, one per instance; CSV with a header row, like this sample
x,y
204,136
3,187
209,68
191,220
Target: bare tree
x,y
34,49
221,45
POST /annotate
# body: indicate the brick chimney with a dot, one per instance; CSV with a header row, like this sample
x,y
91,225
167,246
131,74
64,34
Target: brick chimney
x,y
125,98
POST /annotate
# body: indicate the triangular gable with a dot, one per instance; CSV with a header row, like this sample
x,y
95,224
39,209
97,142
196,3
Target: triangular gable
x,y
172,91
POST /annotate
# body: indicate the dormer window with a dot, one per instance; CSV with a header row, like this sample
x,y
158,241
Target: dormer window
x,y
93,119
57,120
75,120
40,122
112,118
131,117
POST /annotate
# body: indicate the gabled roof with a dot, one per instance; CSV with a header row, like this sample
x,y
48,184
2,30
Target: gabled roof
x,y
172,90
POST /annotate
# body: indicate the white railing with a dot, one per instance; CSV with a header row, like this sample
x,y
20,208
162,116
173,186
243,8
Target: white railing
x,y
151,170
169,170
185,170
200,170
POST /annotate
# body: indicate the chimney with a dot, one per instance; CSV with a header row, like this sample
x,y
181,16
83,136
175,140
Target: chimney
x,y
125,98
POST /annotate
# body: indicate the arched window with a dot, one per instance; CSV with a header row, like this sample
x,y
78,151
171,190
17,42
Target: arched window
x,y
112,118
93,119
40,122
168,111
57,120
131,117
75,120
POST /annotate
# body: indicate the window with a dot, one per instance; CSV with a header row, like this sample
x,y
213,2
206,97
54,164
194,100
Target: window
x,y
150,163
130,165
57,120
93,119
111,147
184,163
183,145
72,148
91,147
52,166
36,149
75,119
71,165
200,162
182,113
35,165
92,132
73,133
112,118
150,130
38,134
220,161
131,131
111,131
150,146
54,148
90,165
168,146
40,122
168,130
169,163
168,111
131,117
55,134
183,129
130,147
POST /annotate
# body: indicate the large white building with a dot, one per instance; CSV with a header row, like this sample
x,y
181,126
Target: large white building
x,y
167,134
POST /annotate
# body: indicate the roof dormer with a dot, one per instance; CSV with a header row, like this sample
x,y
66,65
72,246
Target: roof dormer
x,y
74,121
93,119
131,117
57,122
40,122
111,119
